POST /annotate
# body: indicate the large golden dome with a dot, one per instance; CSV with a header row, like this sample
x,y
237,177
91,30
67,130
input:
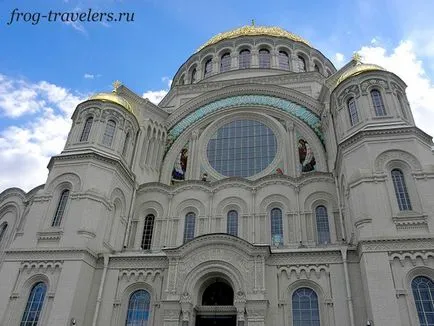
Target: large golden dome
x,y
358,69
252,30
113,97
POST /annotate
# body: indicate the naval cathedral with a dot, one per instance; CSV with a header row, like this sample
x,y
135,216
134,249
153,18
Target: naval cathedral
x,y
267,188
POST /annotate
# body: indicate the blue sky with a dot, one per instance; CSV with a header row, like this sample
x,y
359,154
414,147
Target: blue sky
x,y
47,68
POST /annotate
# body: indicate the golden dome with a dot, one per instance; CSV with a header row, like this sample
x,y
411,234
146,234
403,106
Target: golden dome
x,y
358,69
113,98
252,30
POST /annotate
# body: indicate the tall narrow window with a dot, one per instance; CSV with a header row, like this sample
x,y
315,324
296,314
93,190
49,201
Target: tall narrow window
x,y
3,228
34,305
208,68
276,227
147,232
305,308
322,225
401,190
301,64
193,76
264,58
138,308
402,106
352,111
109,133
316,67
86,130
189,225
60,210
377,101
245,59
423,293
126,142
283,60
225,62
233,223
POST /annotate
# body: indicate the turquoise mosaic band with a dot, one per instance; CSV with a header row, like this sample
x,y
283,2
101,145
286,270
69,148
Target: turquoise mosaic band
x,y
292,108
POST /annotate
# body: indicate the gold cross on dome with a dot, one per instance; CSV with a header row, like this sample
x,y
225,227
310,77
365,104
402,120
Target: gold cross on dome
x,y
357,57
116,85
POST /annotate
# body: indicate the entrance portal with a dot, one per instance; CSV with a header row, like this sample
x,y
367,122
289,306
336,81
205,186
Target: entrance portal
x,y
217,307
216,320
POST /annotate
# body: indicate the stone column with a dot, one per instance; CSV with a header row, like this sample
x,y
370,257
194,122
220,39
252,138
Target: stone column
x,y
382,306
171,313
256,312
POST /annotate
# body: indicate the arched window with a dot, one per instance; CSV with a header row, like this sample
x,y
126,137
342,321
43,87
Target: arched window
x,y
401,105
189,225
147,232
322,225
207,68
377,101
60,210
301,64
316,67
109,133
34,305
86,130
352,111
264,58
245,59
182,80
3,228
225,62
305,309
233,222
283,60
423,293
276,227
401,190
126,141
138,308
193,76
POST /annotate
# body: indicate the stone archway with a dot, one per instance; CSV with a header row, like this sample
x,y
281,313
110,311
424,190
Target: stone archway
x,y
216,304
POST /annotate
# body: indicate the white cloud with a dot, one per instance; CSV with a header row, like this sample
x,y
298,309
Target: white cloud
x,y
89,76
25,149
404,62
339,59
155,96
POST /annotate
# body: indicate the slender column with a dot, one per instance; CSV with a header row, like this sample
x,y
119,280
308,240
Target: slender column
x,y
100,290
298,226
348,286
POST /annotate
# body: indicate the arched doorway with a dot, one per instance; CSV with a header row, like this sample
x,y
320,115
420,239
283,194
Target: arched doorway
x,y
217,305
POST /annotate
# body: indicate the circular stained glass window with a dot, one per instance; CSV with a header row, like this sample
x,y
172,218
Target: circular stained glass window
x,y
242,148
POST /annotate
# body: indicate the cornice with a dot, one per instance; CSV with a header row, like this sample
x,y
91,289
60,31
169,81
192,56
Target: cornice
x,y
46,254
251,185
89,155
395,244
363,134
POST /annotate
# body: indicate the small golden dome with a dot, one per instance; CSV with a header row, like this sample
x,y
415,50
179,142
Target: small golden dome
x,y
358,69
252,30
113,98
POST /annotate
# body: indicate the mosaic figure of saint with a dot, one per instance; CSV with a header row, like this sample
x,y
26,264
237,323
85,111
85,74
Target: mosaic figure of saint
x,y
307,159
180,166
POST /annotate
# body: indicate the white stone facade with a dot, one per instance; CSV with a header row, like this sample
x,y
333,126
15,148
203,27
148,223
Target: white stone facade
x,y
94,257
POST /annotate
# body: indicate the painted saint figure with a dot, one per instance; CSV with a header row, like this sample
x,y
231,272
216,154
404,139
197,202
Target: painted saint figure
x,y
307,160
180,166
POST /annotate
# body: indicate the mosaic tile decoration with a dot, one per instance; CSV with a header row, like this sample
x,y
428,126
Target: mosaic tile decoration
x,y
292,108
